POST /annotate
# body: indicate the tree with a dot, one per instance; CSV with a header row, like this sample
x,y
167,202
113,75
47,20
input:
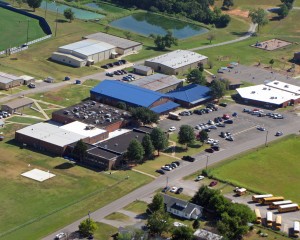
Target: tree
x,y
148,146
227,3
196,76
203,136
196,224
159,222
163,42
218,88
288,3
157,203
186,135
34,4
135,151
80,150
144,115
159,139
87,227
182,233
121,105
259,16
106,28
69,14
211,37
201,67
271,62
19,2
222,21
128,35
283,11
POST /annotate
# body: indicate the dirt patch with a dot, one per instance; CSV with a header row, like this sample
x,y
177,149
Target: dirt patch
x,y
238,12
54,98
271,44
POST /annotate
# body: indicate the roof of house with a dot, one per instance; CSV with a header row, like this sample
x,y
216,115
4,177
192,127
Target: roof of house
x,y
50,133
127,93
114,40
142,68
156,81
168,106
103,153
192,93
18,103
177,58
87,47
181,205
267,94
82,129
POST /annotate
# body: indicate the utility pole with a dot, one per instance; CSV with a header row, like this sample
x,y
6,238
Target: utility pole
x,y
266,142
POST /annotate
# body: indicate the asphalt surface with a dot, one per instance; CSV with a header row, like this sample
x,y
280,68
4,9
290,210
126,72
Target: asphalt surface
x,y
249,141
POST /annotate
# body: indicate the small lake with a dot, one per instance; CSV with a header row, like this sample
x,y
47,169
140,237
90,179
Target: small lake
x,y
79,13
148,23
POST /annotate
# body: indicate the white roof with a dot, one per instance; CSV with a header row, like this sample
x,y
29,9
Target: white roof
x,y
268,94
284,86
178,58
88,47
51,133
26,77
81,129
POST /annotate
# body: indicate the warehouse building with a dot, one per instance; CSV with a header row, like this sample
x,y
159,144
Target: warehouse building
x,y
17,105
159,82
93,113
143,70
85,52
272,95
9,81
190,95
114,92
176,62
123,46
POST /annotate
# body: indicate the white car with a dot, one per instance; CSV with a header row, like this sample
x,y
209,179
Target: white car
x,y
200,177
210,141
172,129
60,235
173,189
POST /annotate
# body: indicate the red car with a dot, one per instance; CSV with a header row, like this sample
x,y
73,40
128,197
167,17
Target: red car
x,y
213,183
226,116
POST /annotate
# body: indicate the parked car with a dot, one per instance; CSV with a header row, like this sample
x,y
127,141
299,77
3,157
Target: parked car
x,y
200,177
160,171
179,190
278,134
229,138
172,129
177,163
228,121
223,104
213,183
31,85
188,158
105,66
235,114
215,147
166,189
261,128
226,116
110,74
60,236
197,111
167,168
246,110
123,61
209,150
173,189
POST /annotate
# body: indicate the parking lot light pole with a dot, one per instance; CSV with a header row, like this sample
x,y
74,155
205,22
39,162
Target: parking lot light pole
x,y
206,162
167,181
266,142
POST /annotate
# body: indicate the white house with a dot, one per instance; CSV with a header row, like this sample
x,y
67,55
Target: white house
x,y
182,208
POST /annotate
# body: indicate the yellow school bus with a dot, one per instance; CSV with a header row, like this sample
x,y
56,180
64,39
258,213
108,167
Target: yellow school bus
x,y
268,200
257,214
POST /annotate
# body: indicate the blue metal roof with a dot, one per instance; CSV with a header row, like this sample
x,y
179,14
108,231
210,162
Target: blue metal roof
x,y
192,93
127,93
168,106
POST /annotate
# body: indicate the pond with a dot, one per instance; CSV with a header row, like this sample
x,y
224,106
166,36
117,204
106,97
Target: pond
x,y
148,23
79,13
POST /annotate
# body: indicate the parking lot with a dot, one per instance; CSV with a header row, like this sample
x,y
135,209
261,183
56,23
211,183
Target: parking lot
x,y
244,125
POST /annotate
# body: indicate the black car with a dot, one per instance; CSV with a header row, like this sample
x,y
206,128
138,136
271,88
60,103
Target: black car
x,y
215,148
177,163
105,66
228,121
117,73
124,71
188,158
160,171
110,65
109,74
166,189
123,61
209,150
223,104
179,190
198,111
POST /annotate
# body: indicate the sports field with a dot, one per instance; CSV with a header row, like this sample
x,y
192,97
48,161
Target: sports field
x,y
14,28
274,169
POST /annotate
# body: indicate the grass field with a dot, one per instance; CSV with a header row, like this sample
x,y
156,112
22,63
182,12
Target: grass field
x,y
118,216
137,207
276,169
24,120
104,232
14,29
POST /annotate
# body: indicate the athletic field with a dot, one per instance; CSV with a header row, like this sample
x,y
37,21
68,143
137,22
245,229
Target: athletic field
x,y
274,169
14,28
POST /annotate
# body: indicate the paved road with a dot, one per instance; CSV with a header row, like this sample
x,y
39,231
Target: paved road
x,y
177,174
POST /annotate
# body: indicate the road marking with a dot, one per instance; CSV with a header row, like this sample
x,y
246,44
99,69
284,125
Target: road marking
x,y
246,130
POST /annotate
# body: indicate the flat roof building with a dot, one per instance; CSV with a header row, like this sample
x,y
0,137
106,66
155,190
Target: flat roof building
x,y
9,81
122,45
143,70
159,82
176,62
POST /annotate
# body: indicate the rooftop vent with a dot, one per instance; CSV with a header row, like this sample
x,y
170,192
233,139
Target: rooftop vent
x,y
276,83
286,86
252,92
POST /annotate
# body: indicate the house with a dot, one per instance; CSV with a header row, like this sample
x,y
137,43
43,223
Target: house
x,y
182,208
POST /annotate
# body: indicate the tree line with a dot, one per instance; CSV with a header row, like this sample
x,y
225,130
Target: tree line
x,y
198,10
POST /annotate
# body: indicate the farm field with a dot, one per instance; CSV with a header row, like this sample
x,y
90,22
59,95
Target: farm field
x,y
274,169
14,29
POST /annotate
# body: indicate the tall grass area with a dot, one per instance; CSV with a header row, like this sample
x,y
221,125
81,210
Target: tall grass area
x,y
274,169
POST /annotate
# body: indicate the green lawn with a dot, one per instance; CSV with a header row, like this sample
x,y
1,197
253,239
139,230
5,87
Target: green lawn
x,y
276,169
36,209
14,29
253,235
137,207
118,216
104,231
24,120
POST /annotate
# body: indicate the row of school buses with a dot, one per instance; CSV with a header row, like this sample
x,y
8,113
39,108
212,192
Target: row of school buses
x,y
282,206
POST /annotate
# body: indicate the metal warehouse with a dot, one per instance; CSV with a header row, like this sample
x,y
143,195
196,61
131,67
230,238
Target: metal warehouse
x,y
274,94
159,82
8,80
123,46
113,92
176,62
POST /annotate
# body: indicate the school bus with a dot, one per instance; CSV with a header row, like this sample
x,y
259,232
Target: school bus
x,y
278,222
257,214
269,219
288,208
275,205
256,198
268,200
296,229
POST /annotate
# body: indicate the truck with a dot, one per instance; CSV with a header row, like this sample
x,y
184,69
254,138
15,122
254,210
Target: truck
x,y
174,116
240,191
